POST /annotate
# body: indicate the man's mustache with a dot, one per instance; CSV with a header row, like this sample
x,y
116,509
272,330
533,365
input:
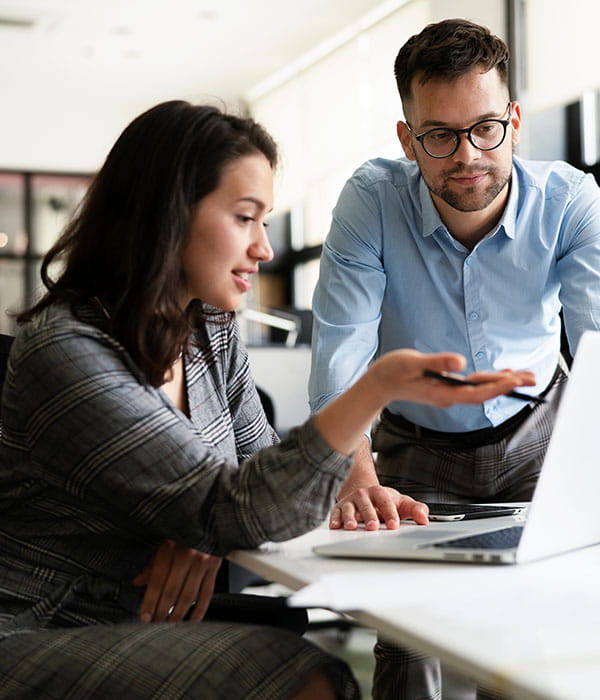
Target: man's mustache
x,y
466,172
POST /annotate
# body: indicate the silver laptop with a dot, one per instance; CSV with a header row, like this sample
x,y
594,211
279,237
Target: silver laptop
x,y
562,516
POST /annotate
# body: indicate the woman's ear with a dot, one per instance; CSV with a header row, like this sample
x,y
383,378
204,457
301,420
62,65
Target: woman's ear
x,y
405,138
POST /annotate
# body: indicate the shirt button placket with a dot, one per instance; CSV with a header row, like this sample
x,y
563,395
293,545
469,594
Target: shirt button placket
x,y
471,286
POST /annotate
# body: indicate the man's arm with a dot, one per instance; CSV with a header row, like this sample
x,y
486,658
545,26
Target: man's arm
x,y
363,474
348,296
579,264
347,310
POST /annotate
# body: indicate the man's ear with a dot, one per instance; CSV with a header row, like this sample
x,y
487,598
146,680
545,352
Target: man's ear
x,y
405,138
515,120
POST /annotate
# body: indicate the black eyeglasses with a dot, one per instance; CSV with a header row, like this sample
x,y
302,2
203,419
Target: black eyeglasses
x,y
443,142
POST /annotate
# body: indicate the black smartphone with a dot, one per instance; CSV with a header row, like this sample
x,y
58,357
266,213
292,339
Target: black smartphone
x,y
468,511
458,380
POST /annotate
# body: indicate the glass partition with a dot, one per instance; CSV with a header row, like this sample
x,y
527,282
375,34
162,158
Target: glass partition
x,y
34,209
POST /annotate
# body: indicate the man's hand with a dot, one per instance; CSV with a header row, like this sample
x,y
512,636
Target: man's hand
x,y
177,578
373,505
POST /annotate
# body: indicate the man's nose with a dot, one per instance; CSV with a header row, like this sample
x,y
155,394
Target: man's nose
x,y
466,151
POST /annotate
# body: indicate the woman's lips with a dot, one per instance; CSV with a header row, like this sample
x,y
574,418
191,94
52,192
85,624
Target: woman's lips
x,y
242,283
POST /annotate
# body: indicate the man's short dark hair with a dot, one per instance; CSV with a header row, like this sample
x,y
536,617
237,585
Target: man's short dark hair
x,y
448,50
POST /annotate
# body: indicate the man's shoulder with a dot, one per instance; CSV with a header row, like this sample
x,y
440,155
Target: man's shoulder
x,y
549,177
399,172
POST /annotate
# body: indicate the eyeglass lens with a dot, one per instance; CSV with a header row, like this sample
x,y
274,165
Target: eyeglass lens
x,y
486,136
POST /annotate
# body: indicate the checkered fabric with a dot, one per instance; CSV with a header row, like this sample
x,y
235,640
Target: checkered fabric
x,y
208,661
96,469
444,470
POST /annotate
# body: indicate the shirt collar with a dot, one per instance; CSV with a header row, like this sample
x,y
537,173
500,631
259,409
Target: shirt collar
x,y
507,223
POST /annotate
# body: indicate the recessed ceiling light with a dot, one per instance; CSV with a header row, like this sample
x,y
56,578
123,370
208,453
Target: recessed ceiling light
x,y
8,22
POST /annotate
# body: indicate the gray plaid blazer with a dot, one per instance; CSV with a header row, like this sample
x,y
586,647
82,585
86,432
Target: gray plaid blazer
x,y
97,468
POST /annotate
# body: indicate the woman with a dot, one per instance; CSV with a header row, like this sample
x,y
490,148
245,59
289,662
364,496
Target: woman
x,y
135,452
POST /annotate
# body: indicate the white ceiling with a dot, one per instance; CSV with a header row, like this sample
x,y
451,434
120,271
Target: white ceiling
x,y
73,73
146,50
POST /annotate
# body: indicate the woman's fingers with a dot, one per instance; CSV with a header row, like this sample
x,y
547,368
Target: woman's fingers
x,y
177,580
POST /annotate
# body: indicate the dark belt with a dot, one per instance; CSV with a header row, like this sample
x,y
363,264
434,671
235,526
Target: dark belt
x,y
471,438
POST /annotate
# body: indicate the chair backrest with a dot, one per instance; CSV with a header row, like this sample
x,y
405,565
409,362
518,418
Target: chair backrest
x,y
5,343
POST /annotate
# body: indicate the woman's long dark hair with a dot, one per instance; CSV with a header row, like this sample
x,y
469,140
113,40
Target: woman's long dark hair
x,y
124,245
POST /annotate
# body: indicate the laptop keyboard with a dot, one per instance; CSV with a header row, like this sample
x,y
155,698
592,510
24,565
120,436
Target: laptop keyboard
x,y
498,539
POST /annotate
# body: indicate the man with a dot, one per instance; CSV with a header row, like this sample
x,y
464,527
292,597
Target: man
x,y
458,246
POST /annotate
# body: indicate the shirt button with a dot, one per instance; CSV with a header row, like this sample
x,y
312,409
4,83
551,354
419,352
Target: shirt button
x,y
479,355
473,315
468,261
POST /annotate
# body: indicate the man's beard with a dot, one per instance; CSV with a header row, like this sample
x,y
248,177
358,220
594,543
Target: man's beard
x,y
471,198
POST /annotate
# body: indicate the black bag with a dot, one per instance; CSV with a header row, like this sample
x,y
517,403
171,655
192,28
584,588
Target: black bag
x,y
256,610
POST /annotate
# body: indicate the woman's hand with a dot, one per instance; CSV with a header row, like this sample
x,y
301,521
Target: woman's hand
x,y
399,376
177,578
373,505
401,372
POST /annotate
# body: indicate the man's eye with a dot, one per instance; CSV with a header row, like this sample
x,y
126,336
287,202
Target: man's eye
x,y
440,136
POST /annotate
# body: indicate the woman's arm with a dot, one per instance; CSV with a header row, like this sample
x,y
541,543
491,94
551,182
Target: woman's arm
x,y
118,449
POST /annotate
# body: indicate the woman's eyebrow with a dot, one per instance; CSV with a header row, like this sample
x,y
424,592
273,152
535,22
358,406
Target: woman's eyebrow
x,y
254,200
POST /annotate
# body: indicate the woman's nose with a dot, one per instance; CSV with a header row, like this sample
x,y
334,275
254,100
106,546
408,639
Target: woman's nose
x,y
261,247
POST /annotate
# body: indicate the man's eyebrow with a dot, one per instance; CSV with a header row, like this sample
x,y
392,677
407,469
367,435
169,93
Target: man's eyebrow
x,y
480,118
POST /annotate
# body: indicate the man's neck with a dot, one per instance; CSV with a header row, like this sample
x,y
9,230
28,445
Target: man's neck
x,y
470,227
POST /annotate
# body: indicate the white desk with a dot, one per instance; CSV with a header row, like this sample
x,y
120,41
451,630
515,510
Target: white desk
x,y
531,630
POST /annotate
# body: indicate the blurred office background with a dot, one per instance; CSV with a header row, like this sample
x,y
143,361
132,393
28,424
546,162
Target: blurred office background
x,y
317,73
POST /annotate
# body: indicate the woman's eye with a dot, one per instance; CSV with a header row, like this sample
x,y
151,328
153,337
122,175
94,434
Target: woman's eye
x,y
244,219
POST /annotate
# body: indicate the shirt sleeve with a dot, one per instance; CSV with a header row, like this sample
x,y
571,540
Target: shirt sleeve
x,y
348,296
578,262
111,443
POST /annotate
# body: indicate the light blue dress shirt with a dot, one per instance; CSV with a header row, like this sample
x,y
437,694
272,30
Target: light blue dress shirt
x,y
393,277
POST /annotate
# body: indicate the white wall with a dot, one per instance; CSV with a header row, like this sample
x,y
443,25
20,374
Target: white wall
x,y
54,142
563,50
283,374
57,142
336,113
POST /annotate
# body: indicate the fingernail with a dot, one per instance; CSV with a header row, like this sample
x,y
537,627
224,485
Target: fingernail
x,y
146,617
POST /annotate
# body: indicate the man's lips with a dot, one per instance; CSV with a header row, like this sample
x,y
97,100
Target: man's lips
x,y
467,179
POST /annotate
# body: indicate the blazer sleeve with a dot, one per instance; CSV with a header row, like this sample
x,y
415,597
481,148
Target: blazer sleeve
x,y
95,430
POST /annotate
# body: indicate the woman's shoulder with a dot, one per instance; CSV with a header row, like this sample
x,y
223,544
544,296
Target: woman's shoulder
x,y
59,330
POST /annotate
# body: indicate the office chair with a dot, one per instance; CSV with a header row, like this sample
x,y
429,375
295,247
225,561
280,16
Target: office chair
x,y
5,344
